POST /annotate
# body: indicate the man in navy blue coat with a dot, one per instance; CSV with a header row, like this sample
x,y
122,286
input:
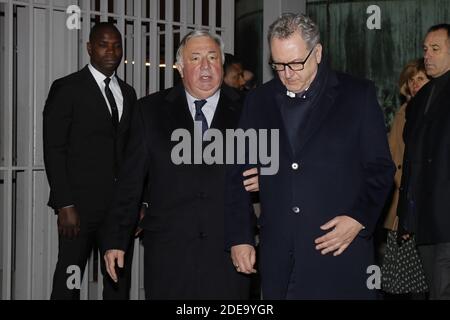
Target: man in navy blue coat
x,y
319,210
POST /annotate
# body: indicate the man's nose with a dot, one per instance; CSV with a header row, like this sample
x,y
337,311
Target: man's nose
x,y
288,72
110,50
204,63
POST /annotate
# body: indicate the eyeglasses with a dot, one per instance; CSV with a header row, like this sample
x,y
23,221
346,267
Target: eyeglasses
x,y
294,66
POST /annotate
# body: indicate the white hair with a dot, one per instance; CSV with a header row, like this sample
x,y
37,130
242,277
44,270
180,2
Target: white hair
x,y
195,34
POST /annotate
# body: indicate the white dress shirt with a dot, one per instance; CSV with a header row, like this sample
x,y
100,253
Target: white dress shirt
x,y
208,109
113,85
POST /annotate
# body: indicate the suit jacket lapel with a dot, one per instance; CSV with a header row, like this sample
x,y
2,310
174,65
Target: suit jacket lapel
x,y
225,115
278,118
319,112
439,104
178,109
126,107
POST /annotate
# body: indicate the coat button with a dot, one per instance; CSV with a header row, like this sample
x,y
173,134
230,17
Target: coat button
x,y
202,235
430,160
296,210
295,166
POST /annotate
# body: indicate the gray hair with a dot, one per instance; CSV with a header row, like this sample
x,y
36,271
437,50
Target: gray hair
x,y
289,23
199,33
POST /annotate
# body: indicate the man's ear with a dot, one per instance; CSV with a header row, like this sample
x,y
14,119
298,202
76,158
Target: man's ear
x,y
318,54
89,48
180,69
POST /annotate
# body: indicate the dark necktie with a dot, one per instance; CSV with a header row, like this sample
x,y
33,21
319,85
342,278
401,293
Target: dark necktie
x,y
199,116
112,104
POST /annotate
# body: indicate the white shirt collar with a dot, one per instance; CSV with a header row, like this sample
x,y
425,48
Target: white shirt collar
x,y
98,76
291,94
208,109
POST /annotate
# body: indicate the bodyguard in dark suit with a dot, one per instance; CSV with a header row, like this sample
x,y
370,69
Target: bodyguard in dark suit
x,y
86,121
424,204
319,211
184,249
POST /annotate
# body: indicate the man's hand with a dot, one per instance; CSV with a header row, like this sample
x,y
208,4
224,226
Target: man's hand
x,y
244,258
345,229
251,184
68,222
141,216
110,260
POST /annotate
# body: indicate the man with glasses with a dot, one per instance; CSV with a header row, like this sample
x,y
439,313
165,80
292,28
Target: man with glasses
x,y
319,211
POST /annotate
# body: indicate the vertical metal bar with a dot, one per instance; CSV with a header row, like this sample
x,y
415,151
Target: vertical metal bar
x,y
139,65
29,172
99,276
190,11
212,15
228,24
84,291
154,49
183,18
104,10
143,54
135,275
168,59
120,7
7,217
53,229
72,52
198,14
129,46
52,246
85,29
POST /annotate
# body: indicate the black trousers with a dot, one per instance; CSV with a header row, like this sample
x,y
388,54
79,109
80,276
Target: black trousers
x,y
436,264
76,252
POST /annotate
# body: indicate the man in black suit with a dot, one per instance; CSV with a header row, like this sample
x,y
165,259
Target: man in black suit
x,y
319,210
424,204
185,256
86,121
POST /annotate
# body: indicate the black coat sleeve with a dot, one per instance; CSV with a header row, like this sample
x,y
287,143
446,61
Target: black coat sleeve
x,y
56,132
240,220
377,165
123,216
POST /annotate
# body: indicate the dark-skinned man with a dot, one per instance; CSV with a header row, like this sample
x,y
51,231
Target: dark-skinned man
x,y
86,120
